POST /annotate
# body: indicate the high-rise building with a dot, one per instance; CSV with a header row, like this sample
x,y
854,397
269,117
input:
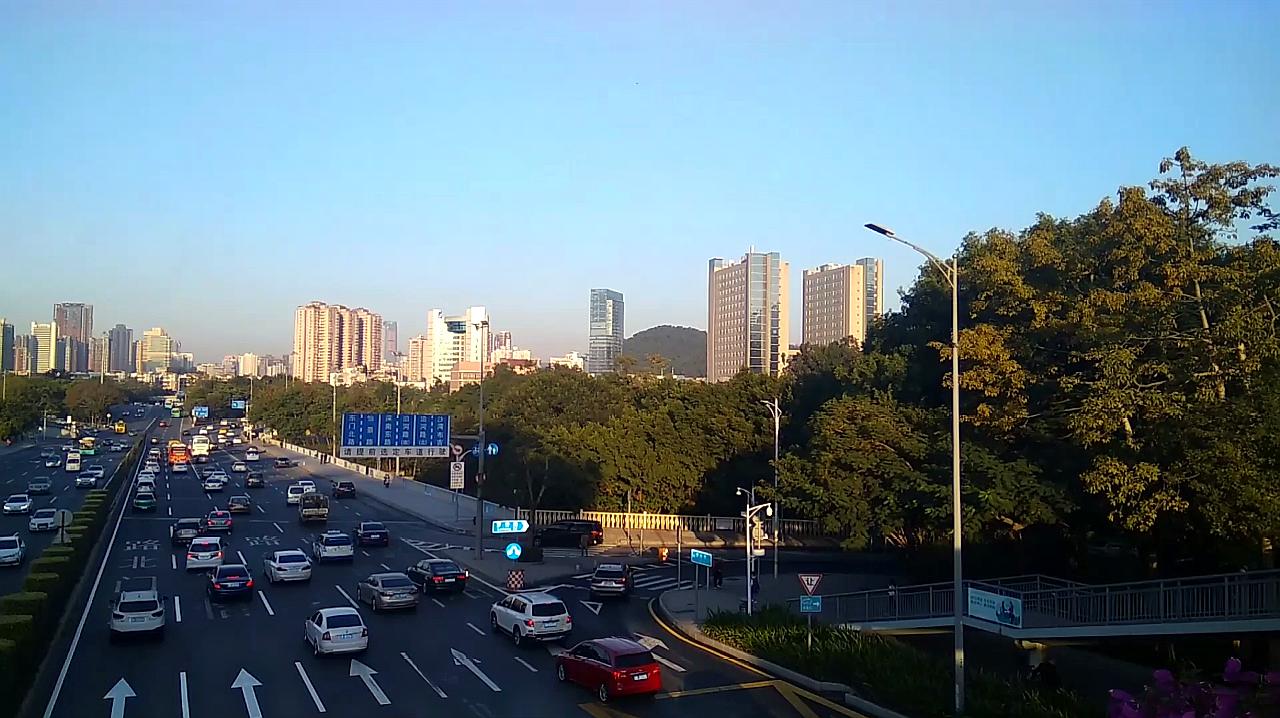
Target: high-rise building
x,y
604,342
873,276
75,320
834,304
155,351
252,365
120,344
183,362
6,345
23,358
98,358
390,342
231,365
330,338
43,347
499,341
71,355
447,341
747,315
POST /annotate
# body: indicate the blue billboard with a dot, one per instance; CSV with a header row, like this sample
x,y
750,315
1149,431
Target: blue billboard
x,y
378,435
237,404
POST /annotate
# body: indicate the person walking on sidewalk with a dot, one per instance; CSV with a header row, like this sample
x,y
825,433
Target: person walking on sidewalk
x,y
717,576
584,543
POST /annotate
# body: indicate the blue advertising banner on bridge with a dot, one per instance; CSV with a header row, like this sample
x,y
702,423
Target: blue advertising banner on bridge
x,y
379,435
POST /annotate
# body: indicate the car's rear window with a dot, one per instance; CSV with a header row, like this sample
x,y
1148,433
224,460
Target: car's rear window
x,y
344,620
397,582
346,485
291,558
555,608
610,573
234,572
446,567
137,606
373,526
633,660
8,543
296,489
203,546
342,540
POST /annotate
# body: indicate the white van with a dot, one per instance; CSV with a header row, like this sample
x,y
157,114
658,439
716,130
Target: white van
x,y
73,463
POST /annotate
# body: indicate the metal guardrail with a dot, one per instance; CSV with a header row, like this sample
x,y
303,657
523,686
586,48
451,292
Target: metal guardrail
x,y
668,522
1049,602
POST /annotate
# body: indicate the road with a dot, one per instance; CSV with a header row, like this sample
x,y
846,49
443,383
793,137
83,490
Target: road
x,y
19,467
248,658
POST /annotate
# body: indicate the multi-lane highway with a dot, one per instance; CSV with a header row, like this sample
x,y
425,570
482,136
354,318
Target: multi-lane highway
x,y
248,658
19,467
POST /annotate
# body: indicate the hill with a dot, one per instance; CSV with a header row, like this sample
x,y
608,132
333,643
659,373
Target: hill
x,y
684,348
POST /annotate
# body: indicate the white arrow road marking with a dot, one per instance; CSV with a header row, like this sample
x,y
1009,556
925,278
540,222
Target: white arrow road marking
x,y
650,642
526,665
414,666
306,681
246,683
593,606
669,664
472,626
182,692
366,674
461,659
118,694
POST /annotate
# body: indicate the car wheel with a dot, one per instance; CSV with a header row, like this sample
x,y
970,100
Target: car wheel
x,y
603,693
493,622
516,637
560,675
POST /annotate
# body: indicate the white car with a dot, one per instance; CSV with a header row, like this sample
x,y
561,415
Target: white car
x,y
252,454
293,494
97,470
146,483
333,546
307,484
181,467
52,462
288,565
137,612
236,440
17,504
85,480
145,475
12,550
43,520
531,616
204,552
213,483
336,630
239,467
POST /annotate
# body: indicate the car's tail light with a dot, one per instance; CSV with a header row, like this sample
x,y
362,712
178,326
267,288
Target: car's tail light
x,y
249,583
466,574
158,614
217,554
528,622
437,579
217,586
619,675
327,636
117,616
568,619
191,557
364,633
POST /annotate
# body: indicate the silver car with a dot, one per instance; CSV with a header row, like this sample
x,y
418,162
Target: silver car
x,y
387,590
17,504
204,552
288,565
43,520
12,550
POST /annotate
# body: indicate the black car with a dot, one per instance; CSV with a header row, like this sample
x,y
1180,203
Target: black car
x,y
569,532
230,580
183,530
202,459
254,480
343,488
282,463
437,575
372,533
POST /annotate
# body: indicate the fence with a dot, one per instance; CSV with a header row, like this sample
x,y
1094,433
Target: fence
x,y
668,522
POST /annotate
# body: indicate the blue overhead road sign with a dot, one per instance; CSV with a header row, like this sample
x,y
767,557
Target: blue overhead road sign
x,y
510,526
378,435
200,412
702,558
237,404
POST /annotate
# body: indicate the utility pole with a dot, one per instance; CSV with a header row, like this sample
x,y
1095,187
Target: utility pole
x,y
397,416
481,448
775,408
334,418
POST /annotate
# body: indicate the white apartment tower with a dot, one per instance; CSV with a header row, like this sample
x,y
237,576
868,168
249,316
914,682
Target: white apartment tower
x,y
330,338
448,341
834,304
873,278
747,315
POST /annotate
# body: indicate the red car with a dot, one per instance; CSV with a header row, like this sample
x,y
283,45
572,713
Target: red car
x,y
611,667
218,521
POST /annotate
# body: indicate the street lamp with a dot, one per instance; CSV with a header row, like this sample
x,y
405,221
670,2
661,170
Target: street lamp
x,y
752,508
950,272
775,408
481,447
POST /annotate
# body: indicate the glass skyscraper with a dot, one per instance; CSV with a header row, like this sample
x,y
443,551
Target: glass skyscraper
x,y
604,344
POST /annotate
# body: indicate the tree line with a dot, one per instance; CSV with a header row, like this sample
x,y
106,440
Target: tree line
x,y
29,399
1120,383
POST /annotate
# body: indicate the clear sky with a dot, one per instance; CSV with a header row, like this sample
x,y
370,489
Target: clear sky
x,y
206,167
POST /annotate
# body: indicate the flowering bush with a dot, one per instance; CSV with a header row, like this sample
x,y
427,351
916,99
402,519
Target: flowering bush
x,y
1240,694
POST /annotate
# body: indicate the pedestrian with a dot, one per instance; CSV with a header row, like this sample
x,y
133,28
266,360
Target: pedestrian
x,y
755,585
386,481
584,543
717,576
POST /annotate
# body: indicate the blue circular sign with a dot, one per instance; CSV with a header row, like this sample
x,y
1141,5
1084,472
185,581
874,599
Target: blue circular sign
x,y
513,551
491,449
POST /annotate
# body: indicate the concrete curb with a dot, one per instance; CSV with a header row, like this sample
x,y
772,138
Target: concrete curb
x,y
850,698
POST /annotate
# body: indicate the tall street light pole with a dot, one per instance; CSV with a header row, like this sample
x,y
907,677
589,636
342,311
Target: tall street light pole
x,y
397,416
950,272
775,408
481,446
334,418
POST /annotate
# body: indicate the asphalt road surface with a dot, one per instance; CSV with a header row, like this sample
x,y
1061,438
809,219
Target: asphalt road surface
x,y
19,467
248,658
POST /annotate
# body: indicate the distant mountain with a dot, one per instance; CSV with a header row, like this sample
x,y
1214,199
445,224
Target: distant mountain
x,y
684,348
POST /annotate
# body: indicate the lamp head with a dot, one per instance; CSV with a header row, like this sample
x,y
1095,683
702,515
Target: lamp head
x,y
880,230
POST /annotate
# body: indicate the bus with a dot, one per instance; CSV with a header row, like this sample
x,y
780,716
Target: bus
x,y
121,428
199,445
178,453
176,412
168,402
88,446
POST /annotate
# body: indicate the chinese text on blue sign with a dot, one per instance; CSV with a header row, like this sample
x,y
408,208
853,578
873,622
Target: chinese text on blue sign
x,y
237,404
378,435
811,604
510,526
200,412
702,558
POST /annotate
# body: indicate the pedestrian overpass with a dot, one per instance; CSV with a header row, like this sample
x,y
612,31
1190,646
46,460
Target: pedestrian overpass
x,y
1052,608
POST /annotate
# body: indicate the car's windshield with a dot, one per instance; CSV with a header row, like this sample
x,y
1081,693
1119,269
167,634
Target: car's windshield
x,y
445,567
8,543
373,526
610,573
340,540
232,572
291,558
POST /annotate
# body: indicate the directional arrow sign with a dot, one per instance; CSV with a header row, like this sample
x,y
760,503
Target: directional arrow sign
x,y
118,694
593,606
650,642
366,674
245,682
510,526
461,659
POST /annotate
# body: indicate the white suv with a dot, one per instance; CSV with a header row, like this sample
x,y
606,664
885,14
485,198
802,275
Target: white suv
x,y
531,616
138,612
204,552
333,546
288,565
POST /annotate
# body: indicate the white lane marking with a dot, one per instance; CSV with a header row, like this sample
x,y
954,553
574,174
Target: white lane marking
x,y
177,609
584,575
437,602
414,666
461,659
246,563
260,508
385,567
182,690
346,596
658,585
366,553
467,592
526,665
170,510
263,596
366,674
277,527
472,626
306,681
673,666
64,488
173,564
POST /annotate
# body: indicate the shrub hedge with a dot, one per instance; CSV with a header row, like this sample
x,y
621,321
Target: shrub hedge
x,y
884,670
31,603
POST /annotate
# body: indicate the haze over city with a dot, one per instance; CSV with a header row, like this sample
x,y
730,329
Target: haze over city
x,y
208,170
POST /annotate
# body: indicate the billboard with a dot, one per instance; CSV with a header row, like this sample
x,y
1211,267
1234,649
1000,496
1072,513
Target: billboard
x,y
237,404
408,435
993,607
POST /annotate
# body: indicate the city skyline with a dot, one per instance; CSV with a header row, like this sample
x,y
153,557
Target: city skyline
x,y
692,132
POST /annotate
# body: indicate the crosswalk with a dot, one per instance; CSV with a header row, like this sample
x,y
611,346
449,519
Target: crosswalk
x,y
561,552
649,578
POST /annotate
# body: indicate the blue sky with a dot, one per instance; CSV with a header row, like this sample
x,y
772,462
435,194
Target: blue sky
x,y
208,167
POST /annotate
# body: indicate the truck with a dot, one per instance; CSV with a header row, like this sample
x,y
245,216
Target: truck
x,y
313,507
179,453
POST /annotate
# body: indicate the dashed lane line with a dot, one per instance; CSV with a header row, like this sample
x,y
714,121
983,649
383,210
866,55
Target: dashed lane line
x,y
306,681
182,691
177,609
265,604
347,596
437,602
521,661
421,675
472,626
277,527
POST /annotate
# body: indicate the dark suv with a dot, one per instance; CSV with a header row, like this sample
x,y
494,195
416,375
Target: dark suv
x,y
343,488
569,532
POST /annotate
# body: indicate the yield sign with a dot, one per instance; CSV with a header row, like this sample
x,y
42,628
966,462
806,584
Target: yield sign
x,y
809,582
